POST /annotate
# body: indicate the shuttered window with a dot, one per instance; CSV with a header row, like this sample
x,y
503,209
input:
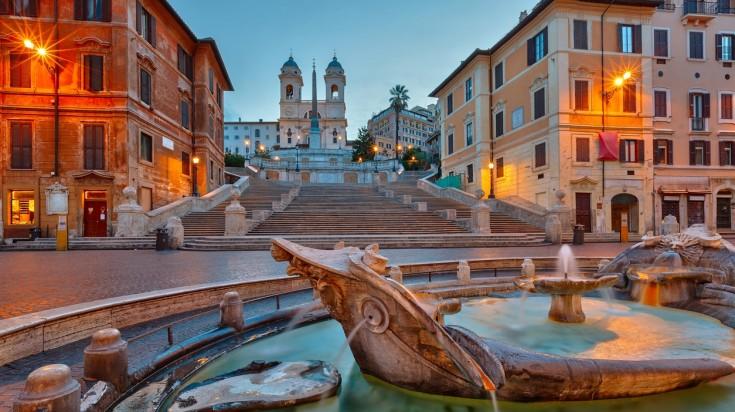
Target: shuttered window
x,y
145,86
725,47
185,115
94,73
94,147
537,47
499,126
540,155
629,98
498,75
470,173
696,45
93,10
631,151
580,35
499,169
539,103
23,8
20,70
450,144
581,95
450,103
184,63
145,24
629,38
146,147
583,149
660,42
727,153
726,112
21,145
185,164
699,153
660,103
663,152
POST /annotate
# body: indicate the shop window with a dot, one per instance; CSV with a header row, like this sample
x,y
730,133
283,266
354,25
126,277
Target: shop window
x,y
22,207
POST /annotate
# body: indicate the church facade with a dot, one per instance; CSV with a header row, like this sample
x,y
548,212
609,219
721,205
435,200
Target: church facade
x,y
325,129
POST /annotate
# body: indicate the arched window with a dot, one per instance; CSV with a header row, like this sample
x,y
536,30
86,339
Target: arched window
x,y
289,91
335,92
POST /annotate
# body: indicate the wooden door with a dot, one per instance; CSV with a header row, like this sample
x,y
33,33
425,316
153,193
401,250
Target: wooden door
x,y
583,207
95,218
724,220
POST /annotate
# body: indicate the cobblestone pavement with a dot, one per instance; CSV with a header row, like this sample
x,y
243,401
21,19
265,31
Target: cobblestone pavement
x,y
35,281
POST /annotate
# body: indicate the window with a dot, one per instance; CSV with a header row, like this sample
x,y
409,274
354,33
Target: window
x,y
498,75
185,114
468,133
450,103
211,170
93,73
631,151
629,38
696,45
660,103
92,10
539,158
516,118
539,103
727,153
724,46
629,98
663,153
699,154
257,132
468,89
289,92
22,207
211,80
499,127
581,95
580,35
661,43
470,173
20,70
21,145
23,8
699,110
219,96
145,24
537,47
450,144
145,86
184,63
583,149
334,92
146,147
726,106
499,169
94,147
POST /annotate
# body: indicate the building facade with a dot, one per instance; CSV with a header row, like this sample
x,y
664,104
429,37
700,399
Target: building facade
x,y
414,128
100,95
243,137
625,107
296,110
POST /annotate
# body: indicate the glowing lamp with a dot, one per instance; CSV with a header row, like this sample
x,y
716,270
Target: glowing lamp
x,y
626,75
491,166
28,44
195,160
41,51
618,81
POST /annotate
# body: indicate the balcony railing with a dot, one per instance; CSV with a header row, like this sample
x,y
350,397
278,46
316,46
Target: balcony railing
x,y
700,7
290,165
699,124
666,6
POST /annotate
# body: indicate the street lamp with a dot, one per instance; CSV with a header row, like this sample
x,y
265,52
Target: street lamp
x,y
618,82
298,140
339,140
194,190
247,149
262,154
375,157
52,66
491,166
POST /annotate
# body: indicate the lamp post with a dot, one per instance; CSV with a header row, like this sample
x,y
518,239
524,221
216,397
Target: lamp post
x,y
339,140
247,150
298,139
52,66
491,166
375,157
399,149
606,97
194,190
262,154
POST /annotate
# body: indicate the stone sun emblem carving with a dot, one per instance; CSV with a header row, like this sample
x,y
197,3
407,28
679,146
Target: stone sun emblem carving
x,y
688,247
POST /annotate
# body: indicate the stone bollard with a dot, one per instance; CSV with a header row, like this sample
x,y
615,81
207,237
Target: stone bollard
x,y
552,229
230,310
670,225
175,232
528,268
420,206
406,199
49,388
235,216
463,272
449,214
396,274
106,359
480,221
390,194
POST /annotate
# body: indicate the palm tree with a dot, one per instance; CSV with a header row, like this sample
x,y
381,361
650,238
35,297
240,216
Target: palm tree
x,y
398,101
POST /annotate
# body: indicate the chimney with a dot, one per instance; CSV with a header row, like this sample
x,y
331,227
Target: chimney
x,y
523,16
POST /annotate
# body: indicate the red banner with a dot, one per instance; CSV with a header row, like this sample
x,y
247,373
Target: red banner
x,y
608,146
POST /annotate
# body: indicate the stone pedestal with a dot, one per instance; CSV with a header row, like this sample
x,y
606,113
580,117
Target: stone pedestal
x,y
396,274
528,268
566,308
449,214
235,217
420,206
464,272
552,229
562,212
231,314
131,219
175,232
669,225
390,194
406,199
106,359
49,388
480,222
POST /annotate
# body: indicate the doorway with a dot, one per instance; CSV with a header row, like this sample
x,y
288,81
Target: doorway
x,y
627,203
724,213
95,213
670,206
695,210
583,210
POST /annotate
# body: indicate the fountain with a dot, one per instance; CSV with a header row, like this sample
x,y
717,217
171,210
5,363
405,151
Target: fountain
x,y
566,291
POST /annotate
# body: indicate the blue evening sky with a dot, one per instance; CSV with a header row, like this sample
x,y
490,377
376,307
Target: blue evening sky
x,y
380,43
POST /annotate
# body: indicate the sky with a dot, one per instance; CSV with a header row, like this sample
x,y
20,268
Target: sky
x,y
380,43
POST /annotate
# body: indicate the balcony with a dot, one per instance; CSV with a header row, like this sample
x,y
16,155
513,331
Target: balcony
x,y
698,12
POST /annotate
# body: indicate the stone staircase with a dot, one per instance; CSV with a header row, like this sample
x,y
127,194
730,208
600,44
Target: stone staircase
x,y
499,222
350,210
258,196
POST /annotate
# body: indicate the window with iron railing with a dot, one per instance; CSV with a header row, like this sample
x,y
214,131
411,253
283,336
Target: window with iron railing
x,y
699,7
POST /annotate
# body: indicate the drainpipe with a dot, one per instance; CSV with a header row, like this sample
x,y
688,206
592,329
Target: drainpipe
x,y
56,69
492,127
602,80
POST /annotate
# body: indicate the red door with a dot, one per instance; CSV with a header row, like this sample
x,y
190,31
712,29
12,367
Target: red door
x,y
95,218
583,206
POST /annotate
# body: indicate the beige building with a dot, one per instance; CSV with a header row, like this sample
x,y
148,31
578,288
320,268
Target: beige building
x,y
578,97
415,126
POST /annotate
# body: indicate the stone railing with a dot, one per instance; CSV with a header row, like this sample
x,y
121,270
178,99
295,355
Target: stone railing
x,y
520,209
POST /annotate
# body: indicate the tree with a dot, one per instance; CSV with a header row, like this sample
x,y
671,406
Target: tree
x,y
398,101
414,159
362,148
234,160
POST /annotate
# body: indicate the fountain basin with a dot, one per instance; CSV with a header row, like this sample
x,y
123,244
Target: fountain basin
x,y
566,293
664,285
